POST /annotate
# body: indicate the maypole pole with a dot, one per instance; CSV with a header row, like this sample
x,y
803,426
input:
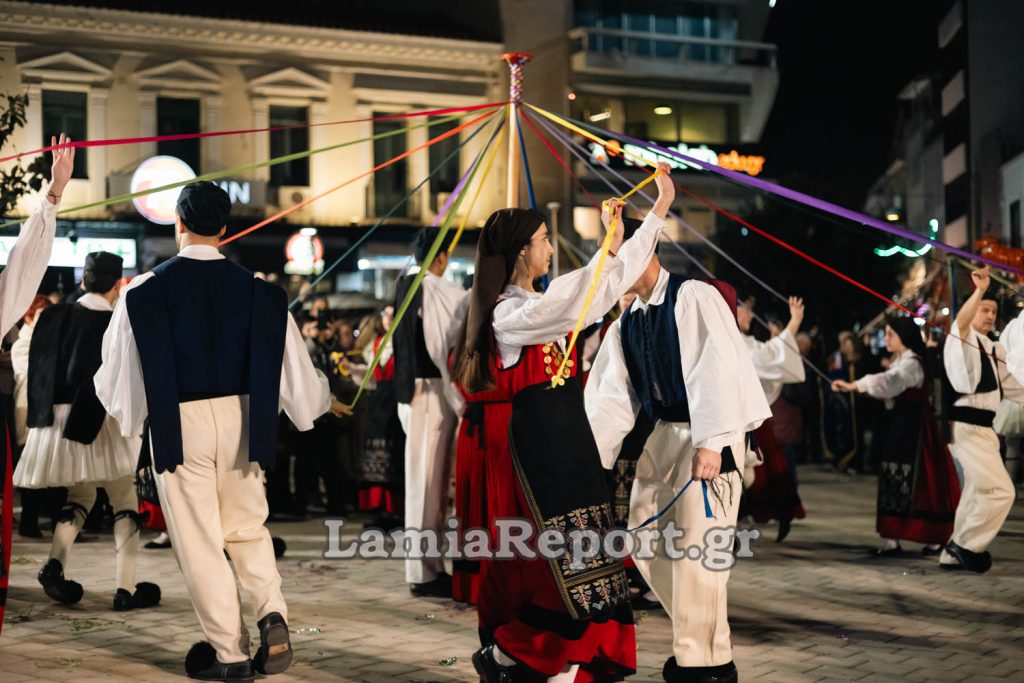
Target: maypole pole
x,y
516,61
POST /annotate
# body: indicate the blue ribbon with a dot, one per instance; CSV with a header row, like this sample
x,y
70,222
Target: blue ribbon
x,y
526,165
707,505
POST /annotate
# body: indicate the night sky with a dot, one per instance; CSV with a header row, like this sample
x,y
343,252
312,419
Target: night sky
x,y
841,65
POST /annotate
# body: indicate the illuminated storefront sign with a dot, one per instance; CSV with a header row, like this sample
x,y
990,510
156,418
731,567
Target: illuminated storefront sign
x,y
305,252
164,170
72,255
154,172
629,155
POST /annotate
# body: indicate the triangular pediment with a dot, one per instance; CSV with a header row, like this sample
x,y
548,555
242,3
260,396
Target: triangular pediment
x,y
65,66
289,82
179,68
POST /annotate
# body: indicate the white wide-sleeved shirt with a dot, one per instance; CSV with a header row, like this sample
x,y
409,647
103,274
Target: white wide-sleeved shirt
x,y
777,362
905,373
722,389
524,318
1013,341
443,309
962,361
26,264
305,393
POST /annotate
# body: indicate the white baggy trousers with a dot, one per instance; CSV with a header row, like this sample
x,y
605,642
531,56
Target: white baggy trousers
x,y
215,501
693,592
429,424
988,492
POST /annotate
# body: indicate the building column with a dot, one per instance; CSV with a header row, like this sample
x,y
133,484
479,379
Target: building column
x,y
210,150
97,127
147,122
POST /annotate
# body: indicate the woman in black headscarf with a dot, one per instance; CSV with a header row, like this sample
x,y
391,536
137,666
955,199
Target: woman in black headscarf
x,y
918,489
544,618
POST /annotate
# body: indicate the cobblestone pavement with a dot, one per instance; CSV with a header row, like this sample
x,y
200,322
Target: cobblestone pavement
x,y
814,608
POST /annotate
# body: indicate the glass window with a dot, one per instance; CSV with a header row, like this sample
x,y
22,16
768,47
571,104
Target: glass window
x,y
673,121
65,112
290,141
704,123
390,183
448,176
173,117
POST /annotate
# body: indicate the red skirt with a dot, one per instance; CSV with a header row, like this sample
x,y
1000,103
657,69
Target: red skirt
x,y
519,605
773,494
6,520
934,492
470,504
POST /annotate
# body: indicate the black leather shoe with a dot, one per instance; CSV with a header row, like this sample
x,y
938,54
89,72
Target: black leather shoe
x,y
966,559
146,595
927,551
64,591
441,587
490,671
724,673
275,653
201,664
887,552
640,603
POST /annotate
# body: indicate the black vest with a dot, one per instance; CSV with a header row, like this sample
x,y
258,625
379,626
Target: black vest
x,y
650,347
64,355
974,416
207,329
412,361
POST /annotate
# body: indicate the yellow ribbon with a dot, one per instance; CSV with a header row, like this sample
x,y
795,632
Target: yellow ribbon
x,y
558,378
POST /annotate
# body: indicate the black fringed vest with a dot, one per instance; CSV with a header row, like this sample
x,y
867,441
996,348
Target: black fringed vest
x,y
64,355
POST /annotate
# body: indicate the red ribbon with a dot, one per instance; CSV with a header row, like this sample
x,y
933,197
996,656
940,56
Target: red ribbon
x,y
189,136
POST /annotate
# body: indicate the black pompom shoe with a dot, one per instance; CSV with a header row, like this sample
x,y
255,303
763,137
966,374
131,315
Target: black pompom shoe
x,y
146,595
201,664
64,591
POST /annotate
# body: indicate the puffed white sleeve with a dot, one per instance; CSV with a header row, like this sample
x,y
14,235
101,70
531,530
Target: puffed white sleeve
x,y
611,402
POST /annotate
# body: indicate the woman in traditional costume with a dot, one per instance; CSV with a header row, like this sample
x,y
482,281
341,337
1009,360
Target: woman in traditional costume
x,y
547,619
918,489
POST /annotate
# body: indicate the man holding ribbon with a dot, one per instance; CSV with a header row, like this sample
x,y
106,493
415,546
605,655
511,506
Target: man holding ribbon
x,y
677,356
209,354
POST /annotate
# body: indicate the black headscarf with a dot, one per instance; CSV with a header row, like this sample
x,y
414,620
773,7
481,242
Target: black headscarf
x,y
504,235
909,333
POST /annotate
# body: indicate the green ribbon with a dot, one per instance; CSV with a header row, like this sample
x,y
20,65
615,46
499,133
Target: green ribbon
x,y
239,169
434,248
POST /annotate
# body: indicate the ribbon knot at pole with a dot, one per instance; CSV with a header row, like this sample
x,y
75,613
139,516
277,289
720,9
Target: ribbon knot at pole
x,y
516,61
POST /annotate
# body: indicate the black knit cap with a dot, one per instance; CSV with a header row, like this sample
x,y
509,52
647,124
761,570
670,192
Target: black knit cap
x,y
204,207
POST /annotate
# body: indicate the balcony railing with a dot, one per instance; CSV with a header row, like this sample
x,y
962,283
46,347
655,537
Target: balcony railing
x,y
671,47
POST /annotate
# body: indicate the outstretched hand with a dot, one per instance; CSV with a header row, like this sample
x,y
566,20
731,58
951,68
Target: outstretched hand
x,y
63,166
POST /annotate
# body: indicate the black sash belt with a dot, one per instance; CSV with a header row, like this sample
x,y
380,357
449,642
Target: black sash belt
x,y
972,416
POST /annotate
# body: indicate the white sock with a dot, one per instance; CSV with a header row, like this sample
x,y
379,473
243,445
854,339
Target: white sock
x,y
568,675
502,658
162,538
933,546
890,544
126,545
64,535
649,595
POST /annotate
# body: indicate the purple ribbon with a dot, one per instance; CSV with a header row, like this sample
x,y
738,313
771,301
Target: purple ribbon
x,y
804,199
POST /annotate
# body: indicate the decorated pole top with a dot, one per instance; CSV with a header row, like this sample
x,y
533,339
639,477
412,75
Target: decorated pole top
x,y
516,61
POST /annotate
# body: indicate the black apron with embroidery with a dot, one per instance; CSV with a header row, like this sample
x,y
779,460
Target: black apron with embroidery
x,y
559,467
